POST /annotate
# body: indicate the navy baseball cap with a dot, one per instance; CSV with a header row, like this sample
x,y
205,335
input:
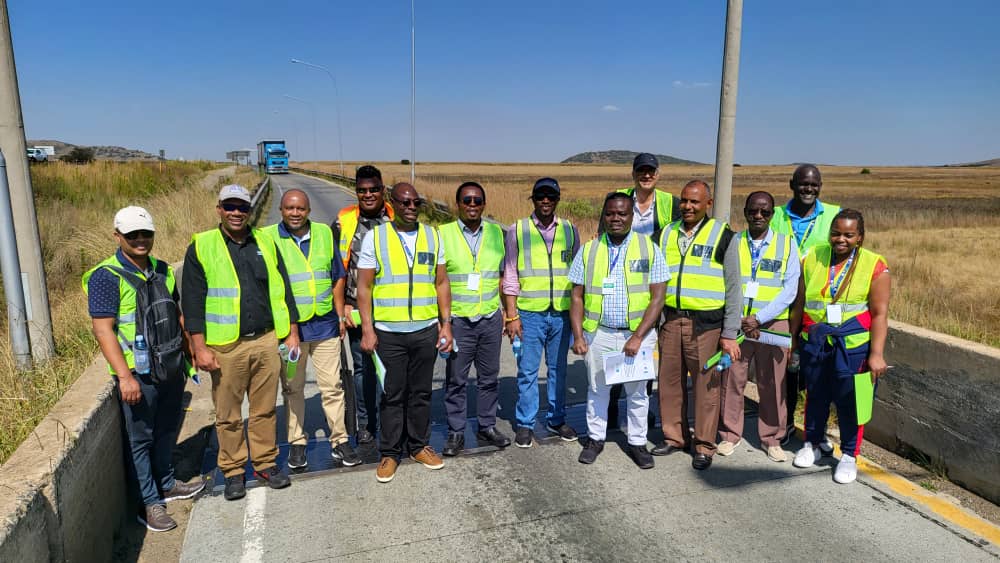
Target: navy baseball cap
x,y
644,159
545,185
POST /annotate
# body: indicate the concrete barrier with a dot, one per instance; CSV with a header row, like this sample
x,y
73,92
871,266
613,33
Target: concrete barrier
x,y
942,399
64,489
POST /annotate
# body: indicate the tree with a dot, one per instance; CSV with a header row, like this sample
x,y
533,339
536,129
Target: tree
x,y
79,155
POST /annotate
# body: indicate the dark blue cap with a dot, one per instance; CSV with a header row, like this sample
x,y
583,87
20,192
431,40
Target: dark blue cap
x,y
644,159
545,185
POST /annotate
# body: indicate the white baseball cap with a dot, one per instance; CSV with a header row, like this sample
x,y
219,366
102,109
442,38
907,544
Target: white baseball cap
x,y
133,218
234,191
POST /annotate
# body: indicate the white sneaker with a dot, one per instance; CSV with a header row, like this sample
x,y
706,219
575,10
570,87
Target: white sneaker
x,y
826,448
726,447
847,470
807,456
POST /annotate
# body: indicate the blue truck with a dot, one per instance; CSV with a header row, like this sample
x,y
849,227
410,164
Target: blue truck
x,y
272,156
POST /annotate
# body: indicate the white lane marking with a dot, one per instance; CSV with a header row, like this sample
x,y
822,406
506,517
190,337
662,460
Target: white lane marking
x,y
253,525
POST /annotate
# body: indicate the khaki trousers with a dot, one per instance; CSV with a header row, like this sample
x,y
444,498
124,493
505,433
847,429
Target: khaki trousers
x,y
325,356
683,352
249,368
770,371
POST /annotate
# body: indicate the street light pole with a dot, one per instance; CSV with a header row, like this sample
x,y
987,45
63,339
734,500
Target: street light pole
x,y
336,106
413,93
727,111
312,107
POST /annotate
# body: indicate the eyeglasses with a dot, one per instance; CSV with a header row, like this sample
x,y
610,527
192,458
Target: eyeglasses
x,y
407,202
473,200
543,197
241,207
374,190
762,212
137,235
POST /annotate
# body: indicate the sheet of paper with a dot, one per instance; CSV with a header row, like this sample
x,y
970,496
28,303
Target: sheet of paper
x,y
379,370
619,368
779,340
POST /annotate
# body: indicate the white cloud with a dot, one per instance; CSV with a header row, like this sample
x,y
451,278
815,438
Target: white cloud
x,y
687,85
610,107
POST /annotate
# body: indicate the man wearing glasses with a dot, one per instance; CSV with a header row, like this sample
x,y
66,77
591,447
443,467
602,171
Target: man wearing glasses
x,y
654,209
474,253
769,271
536,293
404,299
151,409
353,223
238,304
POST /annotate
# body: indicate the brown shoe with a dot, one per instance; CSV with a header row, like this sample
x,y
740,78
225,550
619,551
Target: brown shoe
x,y
386,469
428,458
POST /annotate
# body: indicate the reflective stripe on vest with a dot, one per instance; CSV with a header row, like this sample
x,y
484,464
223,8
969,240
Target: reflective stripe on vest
x,y
775,257
541,273
460,263
818,234
696,279
664,205
222,300
854,297
348,221
308,275
596,267
404,291
125,320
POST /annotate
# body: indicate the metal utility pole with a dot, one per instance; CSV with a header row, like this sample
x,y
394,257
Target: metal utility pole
x,y
29,247
11,270
413,93
727,111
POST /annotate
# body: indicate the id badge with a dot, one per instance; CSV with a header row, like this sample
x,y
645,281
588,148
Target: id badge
x,y
834,314
473,282
608,286
750,291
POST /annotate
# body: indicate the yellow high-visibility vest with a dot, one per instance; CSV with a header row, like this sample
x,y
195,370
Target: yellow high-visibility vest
x,y
543,273
405,291
770,272
486,264
696,279
637,267
854,297
309,276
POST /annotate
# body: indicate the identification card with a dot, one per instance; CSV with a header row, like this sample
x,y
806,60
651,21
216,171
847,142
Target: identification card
x,y
608,286
473,283
834,314
750,291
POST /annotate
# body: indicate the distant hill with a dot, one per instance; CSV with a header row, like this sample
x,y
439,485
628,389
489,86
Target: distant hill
x,y
991,162
101,152
620,157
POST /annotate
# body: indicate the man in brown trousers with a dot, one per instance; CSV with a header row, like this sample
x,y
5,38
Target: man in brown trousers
x,y
702,309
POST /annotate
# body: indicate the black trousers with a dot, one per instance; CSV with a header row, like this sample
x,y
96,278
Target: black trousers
x,y
477,342
405,412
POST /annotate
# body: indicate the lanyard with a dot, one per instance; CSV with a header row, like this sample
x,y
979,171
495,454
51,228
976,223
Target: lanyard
x,y
406,249
474,249
755,256
805,235
835,285
617,255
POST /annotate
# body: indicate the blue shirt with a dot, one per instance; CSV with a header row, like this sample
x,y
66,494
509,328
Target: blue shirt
x,y
328,325
801,224
103,295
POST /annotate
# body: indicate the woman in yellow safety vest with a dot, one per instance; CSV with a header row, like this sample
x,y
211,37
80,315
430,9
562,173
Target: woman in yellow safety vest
x,y
841,316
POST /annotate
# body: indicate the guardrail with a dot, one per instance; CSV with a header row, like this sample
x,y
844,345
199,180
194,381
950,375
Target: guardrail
x,y
259,195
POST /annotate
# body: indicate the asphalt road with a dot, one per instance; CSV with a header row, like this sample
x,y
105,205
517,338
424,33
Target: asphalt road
x,y
540,504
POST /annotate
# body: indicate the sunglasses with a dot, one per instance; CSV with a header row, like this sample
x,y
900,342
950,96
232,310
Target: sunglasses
x,y
374,190
241,207
473,200
407,202
137,235
762,212
543,197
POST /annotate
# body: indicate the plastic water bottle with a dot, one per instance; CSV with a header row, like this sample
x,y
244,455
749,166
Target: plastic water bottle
x,y
515,346
283,352
140,352
454,349
724,362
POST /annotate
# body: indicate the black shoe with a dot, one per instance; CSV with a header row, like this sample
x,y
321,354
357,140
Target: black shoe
x,y
641,457
666,448
297,457
591,451
701,462
274,477
345,454
493,437
236,487
789,432
564,431
364,436
454,445
524,437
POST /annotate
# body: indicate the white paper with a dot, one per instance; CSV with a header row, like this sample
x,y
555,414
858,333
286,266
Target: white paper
x,y
619,368
772,339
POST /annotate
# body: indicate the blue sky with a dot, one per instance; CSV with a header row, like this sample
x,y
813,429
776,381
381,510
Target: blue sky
x,y
847,82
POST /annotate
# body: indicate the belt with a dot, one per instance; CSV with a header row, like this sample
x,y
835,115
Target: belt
x,y
680,312
253,334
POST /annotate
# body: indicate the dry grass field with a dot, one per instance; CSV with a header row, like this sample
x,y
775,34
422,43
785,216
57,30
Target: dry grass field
x,y
936,226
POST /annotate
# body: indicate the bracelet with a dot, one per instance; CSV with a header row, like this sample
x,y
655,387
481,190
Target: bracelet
x,y
512,319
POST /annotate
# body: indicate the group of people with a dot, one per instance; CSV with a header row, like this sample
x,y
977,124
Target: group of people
x,y
662,293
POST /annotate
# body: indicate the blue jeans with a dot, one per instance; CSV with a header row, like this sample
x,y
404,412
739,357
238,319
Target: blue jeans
x,y
151,426
548,332
365,384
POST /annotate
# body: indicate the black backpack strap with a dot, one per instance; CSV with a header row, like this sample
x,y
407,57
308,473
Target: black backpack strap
x,y
135,281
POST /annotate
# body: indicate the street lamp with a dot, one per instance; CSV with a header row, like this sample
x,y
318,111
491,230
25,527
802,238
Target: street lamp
x,y
336,106
312,107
